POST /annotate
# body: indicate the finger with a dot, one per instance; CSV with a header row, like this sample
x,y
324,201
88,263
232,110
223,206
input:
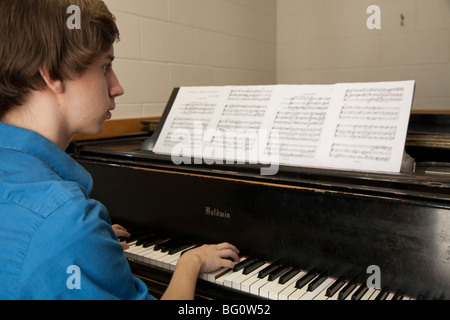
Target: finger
x,y
118,227
122,233
226,245
227,264
229,254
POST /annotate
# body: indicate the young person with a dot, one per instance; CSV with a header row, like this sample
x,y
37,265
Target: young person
x,y
57,81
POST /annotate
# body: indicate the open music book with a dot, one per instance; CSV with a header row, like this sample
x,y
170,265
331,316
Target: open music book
x,y
346,126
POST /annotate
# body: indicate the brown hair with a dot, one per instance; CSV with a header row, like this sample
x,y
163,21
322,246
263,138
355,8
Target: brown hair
x,y
34,33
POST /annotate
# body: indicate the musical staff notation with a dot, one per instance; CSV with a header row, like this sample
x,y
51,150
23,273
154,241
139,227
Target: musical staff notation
x,y
351,126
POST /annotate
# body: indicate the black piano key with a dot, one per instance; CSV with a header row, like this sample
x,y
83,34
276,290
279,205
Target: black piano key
x,y
305,279
175,243
166,246
161,244
420,297
281,270
245,263
289,275
140,239
316,282
383,294
360,292
151,242
137,234
344,293
263,273
180,248
252,267
398,295
335,287
145,239
154,243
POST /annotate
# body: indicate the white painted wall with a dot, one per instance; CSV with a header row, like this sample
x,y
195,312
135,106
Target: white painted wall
x,y
170,43
328,41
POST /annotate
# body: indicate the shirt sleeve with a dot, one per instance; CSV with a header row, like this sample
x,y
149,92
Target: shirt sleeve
x,y
75,255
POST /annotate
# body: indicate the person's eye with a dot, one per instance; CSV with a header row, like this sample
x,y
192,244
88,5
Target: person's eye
x,y
107,67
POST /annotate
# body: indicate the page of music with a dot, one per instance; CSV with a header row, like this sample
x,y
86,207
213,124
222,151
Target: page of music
x,y
347,126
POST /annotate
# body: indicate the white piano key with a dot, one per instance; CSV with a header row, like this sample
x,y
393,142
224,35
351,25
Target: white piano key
x,y
146,257
367,294
230,277
213,276
274,293
245,286
297,294
155,258
133,251
220,280
390,296
244,277
171,263
167,261
265,290
256,287
322,295
151,256
290,289
140,255
159,261
131,246
349,297
373,294
269,287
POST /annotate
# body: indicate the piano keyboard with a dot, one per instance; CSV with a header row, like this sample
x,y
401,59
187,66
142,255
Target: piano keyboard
x,y
264,280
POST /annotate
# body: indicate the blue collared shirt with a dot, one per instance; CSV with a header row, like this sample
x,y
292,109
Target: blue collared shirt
x,y
56,243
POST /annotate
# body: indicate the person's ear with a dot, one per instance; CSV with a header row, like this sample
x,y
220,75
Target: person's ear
x,y
57,86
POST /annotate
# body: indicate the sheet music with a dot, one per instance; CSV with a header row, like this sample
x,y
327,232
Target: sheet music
x,y
193,111
367,126
243,116
354,126
298,119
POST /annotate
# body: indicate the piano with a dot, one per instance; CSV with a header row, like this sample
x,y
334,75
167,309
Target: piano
x,y
303,233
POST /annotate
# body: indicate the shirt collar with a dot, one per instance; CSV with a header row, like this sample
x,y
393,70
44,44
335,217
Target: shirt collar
x,y
58,160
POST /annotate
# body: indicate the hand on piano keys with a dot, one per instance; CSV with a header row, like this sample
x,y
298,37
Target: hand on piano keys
x,y
121,234
216,257
266,280
181,256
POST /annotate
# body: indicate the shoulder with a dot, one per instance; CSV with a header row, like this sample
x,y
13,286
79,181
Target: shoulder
x,y
41,198
31,184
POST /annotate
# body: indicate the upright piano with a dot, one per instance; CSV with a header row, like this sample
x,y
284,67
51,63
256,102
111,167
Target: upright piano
x,y
299,231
